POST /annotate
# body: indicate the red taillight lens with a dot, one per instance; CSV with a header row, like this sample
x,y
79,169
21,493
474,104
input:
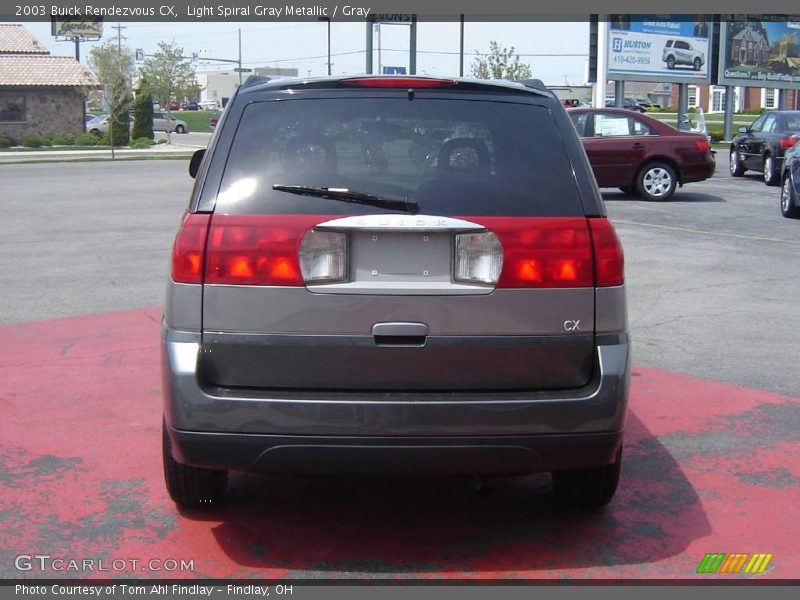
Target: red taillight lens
x,y
543,251
256,249
552,252
788,142
187,251
703,145
399,82
608,256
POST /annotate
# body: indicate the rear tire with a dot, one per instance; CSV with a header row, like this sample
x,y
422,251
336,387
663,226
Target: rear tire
x,y
736,167
771,175
789,203
656,181
180,129
588,488
191,487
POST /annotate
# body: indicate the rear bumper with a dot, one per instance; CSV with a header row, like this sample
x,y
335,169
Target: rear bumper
x,y
489,432
402,455
693,172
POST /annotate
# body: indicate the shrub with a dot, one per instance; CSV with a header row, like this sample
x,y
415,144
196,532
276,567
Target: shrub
x,y
142,143
30,141
63,139
7,142
84,139
716,135
103,141
46,140
161,141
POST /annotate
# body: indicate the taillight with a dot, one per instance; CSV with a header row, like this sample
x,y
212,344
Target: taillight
x,y
399,82
256,249
608,256
323,257
551,252
187,251
479,258
703,145
788,142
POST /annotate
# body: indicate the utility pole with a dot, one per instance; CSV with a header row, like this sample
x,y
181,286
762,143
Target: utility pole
x,y
461,49
120,37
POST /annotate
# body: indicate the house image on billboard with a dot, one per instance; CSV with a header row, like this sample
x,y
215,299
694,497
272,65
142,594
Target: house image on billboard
x,y
749,47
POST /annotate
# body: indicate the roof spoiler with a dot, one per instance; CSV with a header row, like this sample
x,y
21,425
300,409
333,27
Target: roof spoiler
x,y
255,80
536,84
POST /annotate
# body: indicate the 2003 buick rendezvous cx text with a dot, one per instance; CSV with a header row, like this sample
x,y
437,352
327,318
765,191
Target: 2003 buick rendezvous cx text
x,y
395,275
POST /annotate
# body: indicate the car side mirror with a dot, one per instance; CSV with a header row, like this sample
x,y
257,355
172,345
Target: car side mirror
x,y
194,163
743,129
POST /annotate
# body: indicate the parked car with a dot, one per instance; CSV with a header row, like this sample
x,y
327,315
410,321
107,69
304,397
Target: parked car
x,y
681,52
174,105
99,124
163,121
334,306
628,104
637,153
209,105
212,122
761,145
790,183
190,105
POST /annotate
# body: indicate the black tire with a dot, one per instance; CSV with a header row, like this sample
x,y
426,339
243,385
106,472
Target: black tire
x,y
191,487
588,488
670,62
697,64
790,207
736,165
180,129
656,181
770,169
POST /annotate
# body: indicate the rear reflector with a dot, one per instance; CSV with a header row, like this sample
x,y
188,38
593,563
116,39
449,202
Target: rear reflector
x,y
323,257
256,249
703,145
187,251
399,82
788,142
479,258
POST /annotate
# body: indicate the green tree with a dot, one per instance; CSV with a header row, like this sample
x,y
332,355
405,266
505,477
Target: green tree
x,y
113,65
143,112
500,63
169,74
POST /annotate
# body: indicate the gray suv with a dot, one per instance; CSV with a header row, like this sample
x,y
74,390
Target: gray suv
x,y
394,275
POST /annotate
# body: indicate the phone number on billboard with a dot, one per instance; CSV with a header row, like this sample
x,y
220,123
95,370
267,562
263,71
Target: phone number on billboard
x,y
632,60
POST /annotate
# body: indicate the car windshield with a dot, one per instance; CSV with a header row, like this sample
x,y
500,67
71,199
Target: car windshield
x,y
453,157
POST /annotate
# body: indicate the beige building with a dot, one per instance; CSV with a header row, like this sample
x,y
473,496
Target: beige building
x,y
40,94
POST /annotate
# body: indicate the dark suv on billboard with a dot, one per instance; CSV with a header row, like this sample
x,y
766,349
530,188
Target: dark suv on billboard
x,y
395,274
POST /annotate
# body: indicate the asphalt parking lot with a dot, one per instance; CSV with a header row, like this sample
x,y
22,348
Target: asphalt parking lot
x,y
713,281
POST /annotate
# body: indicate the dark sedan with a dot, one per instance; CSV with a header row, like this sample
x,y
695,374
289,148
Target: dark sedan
x,y
637,153
790,184
761,146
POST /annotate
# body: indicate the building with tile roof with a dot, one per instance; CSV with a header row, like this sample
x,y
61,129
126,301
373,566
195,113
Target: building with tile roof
x,y
40,94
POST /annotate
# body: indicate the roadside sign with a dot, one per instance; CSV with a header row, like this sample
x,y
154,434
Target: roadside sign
x,y
394,70
238,70
399,19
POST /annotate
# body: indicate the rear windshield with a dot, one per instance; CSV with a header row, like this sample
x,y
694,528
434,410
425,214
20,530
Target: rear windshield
x,y
453,157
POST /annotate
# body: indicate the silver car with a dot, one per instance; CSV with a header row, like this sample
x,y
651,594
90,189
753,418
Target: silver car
x,y
394,275
164,121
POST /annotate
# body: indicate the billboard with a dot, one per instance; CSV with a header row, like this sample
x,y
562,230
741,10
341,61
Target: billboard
x,y
760,51
659,48
81,28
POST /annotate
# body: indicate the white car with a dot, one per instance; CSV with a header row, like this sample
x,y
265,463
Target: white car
x,y
209,105
681,52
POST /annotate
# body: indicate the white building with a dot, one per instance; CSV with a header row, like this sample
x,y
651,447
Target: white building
x,y
220,85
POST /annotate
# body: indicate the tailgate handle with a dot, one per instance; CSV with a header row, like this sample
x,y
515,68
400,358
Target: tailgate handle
x,y
400,334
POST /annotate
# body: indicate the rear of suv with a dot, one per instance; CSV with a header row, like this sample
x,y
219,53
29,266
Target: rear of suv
x,y
394,275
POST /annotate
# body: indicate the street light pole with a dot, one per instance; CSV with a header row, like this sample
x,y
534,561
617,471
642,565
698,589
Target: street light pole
x,y
240,56
328,20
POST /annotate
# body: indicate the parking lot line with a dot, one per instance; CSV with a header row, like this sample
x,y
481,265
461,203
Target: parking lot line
x,y
704,232
80,467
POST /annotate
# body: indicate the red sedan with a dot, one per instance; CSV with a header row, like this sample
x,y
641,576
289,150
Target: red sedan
x,y
637,153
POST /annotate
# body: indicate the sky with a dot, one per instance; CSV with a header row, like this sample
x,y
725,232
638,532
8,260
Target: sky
x,y
304,45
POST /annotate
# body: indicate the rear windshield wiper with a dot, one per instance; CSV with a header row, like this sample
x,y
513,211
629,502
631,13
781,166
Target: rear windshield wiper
x,y
345,195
